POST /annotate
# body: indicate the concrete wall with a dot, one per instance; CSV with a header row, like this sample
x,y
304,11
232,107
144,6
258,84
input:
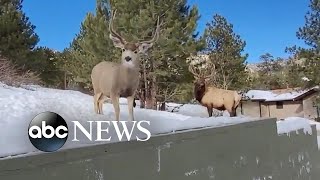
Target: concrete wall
x,y
303,108
297,157
265,112
290,109
309,110
269,109
247,151
249,108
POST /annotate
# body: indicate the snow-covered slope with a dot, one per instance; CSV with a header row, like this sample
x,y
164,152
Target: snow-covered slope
x,y
18,106
194,110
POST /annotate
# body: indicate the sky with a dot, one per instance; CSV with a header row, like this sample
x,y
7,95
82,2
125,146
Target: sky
x,y
266,26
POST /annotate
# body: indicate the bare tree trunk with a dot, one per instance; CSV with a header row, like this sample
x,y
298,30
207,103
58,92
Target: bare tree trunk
x,y
141,90
151,91
148,86
149,103
151,96
145,79
162,106
141,97
143,85
65,80
148,96
154,93
142,104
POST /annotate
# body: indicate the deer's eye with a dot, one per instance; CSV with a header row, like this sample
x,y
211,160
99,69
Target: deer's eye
x,y
122,50
135,51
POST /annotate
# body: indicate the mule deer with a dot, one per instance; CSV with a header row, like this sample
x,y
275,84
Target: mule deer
x,y
114,80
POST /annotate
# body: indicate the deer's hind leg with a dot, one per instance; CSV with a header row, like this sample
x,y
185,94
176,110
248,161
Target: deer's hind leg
x,y
96,98
101,102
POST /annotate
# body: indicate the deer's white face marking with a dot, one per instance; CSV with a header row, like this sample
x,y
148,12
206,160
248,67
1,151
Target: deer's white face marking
x,y
129,54
128,58
130,50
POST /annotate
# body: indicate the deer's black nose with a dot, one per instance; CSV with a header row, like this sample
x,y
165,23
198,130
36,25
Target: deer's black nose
x,y
128,58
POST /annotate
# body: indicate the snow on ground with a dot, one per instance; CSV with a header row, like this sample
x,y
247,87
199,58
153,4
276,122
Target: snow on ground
x,y
292,124
194,110
18,106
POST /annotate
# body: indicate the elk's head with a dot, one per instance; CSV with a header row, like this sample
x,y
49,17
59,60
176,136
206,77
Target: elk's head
x,y
131,50
201,77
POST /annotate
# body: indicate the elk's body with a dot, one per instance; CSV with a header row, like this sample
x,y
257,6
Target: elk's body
x,y
220,99
112,80
212,97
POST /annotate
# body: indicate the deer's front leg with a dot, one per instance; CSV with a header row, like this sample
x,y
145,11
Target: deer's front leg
x,y
130,100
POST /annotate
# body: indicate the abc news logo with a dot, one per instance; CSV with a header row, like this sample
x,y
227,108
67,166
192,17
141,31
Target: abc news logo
x,y
48,131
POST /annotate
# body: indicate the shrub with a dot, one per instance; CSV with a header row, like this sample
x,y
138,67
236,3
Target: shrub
x,y
13,76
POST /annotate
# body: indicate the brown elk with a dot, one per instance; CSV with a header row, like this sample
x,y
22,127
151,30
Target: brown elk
x,y
114,80
212,97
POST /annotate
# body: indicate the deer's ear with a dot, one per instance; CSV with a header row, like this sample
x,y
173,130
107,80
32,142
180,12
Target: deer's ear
x,y
116,41
143,47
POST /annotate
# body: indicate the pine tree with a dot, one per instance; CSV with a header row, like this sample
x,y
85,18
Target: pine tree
x,y
18,43
91,46
224,48
272,72
295,69
310,33
17,36
44,62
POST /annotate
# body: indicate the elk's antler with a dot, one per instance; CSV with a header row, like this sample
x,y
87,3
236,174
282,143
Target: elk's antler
x,y
111,29
211,68
199,73
193,70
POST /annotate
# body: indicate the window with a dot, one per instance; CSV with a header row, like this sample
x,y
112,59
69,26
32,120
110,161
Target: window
x,y
279,105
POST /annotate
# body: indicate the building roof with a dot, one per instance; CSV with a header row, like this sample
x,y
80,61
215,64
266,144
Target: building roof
x,y
279,94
